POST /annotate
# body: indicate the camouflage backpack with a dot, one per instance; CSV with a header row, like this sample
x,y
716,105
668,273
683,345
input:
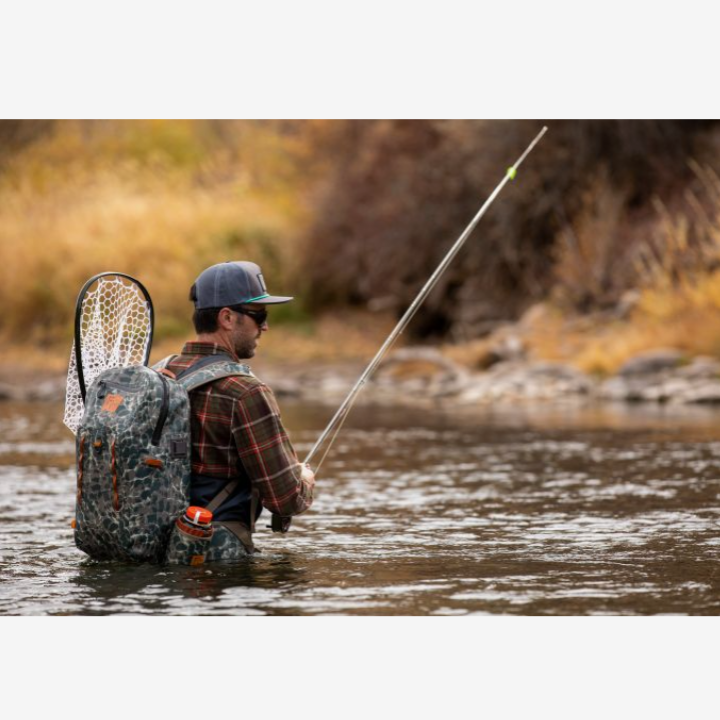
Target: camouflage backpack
x,y
133,457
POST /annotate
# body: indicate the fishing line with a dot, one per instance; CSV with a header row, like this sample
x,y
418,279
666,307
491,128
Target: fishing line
x,y
339,418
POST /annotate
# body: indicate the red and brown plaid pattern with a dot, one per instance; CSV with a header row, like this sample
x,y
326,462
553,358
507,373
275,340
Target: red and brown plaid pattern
x,y
236,427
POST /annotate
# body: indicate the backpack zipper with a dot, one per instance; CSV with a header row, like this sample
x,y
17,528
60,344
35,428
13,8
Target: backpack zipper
x,y
81,458
105,385
113,470
164,408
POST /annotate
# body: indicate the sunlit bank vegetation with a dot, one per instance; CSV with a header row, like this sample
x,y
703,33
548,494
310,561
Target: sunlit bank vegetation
x,y
160,201
613,226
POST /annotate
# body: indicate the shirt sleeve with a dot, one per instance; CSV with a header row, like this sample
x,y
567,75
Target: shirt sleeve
x,y
267,455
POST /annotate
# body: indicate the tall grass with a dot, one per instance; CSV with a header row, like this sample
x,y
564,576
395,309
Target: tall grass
x,y
160,201
360,213
673,262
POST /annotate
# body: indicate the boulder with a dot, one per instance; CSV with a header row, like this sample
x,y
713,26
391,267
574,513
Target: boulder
x,y
653,361
704,393
519,382
701,368
8,392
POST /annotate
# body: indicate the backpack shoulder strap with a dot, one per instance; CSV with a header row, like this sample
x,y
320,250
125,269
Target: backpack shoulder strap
x,y
162,364
211,368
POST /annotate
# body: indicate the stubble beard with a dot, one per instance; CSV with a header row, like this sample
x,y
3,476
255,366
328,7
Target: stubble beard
x,y
245,347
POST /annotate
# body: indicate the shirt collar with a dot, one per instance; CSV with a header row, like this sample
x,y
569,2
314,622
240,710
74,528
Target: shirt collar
x,y
207,348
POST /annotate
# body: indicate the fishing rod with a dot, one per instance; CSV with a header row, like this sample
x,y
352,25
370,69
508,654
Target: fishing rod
x,y
339,417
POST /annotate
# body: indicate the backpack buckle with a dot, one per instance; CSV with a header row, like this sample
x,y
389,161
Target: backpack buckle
x,y
179,448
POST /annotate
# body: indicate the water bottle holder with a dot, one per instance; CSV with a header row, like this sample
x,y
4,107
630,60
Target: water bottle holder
x,y
194,532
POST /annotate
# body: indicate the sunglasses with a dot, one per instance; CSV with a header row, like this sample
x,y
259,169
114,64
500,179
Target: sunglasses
x,y
259,316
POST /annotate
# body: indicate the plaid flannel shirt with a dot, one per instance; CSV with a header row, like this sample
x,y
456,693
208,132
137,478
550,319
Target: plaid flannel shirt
x,y
235,423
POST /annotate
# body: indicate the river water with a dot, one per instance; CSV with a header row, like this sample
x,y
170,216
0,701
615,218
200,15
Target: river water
x,y
419,512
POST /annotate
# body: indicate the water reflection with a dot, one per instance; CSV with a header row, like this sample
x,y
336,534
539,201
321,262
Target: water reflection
x,y
218,589
569,510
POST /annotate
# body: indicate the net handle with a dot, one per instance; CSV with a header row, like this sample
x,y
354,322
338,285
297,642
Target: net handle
x,y
78,321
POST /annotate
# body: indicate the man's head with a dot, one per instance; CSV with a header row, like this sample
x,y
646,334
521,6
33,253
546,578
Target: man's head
x,y
231,302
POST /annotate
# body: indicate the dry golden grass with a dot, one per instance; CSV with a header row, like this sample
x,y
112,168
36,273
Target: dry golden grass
x,y
675,263
163,237
163,200
72,207
159,201
685,317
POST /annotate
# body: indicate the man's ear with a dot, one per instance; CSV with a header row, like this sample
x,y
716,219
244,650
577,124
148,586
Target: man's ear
x,y
225,319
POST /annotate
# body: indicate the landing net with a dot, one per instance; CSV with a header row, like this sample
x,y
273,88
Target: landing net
x,y
114,329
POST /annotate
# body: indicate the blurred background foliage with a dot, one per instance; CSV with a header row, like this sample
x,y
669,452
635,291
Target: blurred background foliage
x,y
613,221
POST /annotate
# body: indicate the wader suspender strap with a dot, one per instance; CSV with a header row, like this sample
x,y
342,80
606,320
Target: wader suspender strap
x,y
222,496
225,493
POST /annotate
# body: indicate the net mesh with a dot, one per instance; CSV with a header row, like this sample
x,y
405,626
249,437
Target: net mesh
x,y
115,331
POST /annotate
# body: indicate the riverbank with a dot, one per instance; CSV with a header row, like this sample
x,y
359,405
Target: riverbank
x,y
421,376
544,357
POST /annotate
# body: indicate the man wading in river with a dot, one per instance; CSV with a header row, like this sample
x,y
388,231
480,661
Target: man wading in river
x,y
237,432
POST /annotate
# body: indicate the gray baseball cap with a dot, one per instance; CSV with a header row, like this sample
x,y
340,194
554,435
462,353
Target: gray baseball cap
x,y
232,283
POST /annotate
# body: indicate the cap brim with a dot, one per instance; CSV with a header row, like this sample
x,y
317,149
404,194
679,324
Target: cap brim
x,y
272,300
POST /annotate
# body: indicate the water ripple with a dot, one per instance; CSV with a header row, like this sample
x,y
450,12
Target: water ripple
x,y
454,516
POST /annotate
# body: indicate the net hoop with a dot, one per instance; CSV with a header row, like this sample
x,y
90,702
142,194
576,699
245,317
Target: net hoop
x,y
114,325
78,322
